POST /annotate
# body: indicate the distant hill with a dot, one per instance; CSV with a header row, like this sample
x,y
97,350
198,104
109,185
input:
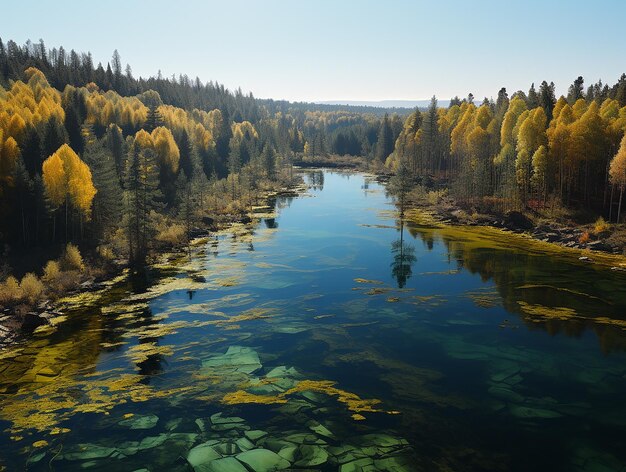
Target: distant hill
x,y
386,103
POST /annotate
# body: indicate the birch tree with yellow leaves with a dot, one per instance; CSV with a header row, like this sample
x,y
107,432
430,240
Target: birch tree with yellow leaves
x,y
67,182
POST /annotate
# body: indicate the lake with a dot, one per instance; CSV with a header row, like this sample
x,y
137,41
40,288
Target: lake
x,y
331,337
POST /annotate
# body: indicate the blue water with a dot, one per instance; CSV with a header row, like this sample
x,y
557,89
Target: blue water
x,y
484,351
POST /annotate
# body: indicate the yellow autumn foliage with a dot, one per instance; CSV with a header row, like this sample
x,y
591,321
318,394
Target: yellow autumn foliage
x,y
67,178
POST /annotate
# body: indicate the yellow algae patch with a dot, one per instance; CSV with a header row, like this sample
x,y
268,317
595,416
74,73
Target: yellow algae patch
x,y
124,308
327,387
393,299
42,443
112,345
544,313
609,321
241,396
484,299
55,431
142,352
352,401
367,281
557,313
358,417
227,281
377,291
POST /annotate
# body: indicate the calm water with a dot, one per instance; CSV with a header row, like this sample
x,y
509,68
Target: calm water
x,y
330,339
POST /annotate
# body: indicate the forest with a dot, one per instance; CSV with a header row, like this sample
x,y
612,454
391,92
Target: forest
x,y
81,145
531,150
94,160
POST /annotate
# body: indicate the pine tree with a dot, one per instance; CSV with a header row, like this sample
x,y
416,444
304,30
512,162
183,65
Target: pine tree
x,y
430,136
547,98
385,142
575,91
185,162
107,202
141,197
154,119
533,98
269,162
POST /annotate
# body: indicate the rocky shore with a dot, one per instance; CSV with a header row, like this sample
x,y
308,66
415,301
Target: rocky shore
x,y
566,235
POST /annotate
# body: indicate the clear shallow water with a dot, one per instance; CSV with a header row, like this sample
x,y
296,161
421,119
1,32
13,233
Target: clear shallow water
x,y
330,339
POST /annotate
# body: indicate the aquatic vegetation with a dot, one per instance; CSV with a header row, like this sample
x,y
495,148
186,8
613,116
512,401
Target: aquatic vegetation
x,y
227,281
241,396
545,312
377,291
352,401
486,298
247,315
370,282
142,352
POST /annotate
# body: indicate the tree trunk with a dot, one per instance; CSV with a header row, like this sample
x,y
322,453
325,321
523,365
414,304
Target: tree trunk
x,y
611,204
619,207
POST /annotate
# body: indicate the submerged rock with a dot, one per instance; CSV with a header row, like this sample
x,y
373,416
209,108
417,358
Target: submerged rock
x,y
236,359
227,464
255,434
310,456
89,451
140,421
263,460
201,456
227,423
359,465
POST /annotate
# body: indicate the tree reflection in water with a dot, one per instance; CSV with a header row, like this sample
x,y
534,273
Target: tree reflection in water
x,y
403,259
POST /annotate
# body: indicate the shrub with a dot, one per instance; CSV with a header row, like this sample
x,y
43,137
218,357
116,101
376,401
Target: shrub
x,y
10,291
601,226
172,234
51,272
72,260
31,288
584,238
106,253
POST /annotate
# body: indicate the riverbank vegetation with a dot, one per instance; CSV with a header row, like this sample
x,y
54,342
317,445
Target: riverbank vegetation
x,y
119,167
560,162
122,167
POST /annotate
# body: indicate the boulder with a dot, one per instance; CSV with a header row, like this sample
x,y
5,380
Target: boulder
x,y
517,220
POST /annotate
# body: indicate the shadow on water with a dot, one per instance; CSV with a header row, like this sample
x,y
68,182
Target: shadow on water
x,y
548,289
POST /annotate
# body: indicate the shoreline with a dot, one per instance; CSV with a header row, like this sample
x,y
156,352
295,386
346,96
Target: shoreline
x,y
552,237
16,327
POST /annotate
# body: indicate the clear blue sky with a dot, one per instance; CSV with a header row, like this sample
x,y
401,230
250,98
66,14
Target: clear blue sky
x,y
340,49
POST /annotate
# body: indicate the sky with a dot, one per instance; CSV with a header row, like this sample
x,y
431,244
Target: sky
x,y
342,49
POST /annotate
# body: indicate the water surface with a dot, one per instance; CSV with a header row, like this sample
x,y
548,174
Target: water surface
x,y
332,337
